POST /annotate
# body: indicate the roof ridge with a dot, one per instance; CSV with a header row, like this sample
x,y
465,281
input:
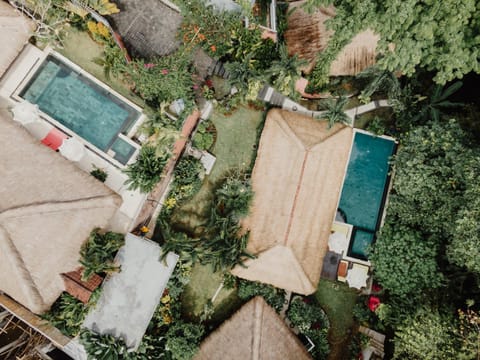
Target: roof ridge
x,y
60,206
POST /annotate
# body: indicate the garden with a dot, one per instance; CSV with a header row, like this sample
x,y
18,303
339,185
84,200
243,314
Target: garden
x,y
426,256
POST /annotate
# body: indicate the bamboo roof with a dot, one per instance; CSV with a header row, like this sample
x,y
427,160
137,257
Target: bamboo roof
x,y
255,332
297,179
48,207
15,30
307,36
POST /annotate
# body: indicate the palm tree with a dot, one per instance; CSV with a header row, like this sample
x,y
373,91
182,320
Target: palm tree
x,y
437,102
334,111
285,71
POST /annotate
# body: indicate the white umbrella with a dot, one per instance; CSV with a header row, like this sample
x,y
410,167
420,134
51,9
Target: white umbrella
x,y
25,112
338,242
39,129
72,149
357,276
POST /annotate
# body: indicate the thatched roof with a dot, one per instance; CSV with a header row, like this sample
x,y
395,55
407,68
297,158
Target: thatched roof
x,y
307,36
297,180
47,209
255,332
15,30
148,27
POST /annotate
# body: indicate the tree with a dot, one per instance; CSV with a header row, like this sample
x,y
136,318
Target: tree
x,y
439,36
334,111
435,334
404,262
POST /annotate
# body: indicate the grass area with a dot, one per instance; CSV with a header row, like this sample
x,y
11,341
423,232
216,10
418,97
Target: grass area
x,y
235,146
81,49
337,300
237,137
201,288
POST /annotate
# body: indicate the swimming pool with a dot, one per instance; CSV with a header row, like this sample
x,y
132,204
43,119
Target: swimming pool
x,y
364,189
84,107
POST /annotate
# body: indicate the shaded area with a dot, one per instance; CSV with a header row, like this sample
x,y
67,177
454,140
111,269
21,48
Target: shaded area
x,y
330,265
148,27
337,300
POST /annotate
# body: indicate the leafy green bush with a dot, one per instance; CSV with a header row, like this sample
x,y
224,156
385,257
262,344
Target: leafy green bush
x,y
183,340
146,172
204,137
98,253
272,295
163,79
67,314
311,320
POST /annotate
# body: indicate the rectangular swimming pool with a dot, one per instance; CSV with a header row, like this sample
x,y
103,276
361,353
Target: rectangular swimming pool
x,y
84,107
364,189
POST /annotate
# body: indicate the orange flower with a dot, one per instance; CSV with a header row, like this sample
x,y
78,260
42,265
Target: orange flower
x,y
213,48
201,37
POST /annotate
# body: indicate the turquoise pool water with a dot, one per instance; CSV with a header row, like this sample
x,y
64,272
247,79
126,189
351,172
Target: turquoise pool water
x,y
364,189
83,106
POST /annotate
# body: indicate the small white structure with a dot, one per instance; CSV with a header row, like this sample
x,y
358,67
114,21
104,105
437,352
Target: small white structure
x,y
72,149
357,276
129,298
338,242
25,113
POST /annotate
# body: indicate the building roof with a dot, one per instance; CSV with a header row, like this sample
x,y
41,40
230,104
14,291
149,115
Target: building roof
x,y
129,298
15,30
297,179
48,207
148,27
307,35
255,332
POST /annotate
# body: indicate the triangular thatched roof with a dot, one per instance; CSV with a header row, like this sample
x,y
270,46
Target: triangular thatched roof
x,y
255,332
296,180
307,36
15,30
48,207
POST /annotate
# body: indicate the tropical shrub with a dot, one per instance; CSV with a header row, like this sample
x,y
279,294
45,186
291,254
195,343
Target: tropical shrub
x,y
204,136
311,320
107,347
99,174
67,314
147,171
273,296
183,340
98,253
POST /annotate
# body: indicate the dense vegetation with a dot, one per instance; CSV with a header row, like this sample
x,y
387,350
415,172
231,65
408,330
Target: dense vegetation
x,y
438,36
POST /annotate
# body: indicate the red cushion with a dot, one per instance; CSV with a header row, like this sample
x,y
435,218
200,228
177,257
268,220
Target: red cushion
x,y
54,139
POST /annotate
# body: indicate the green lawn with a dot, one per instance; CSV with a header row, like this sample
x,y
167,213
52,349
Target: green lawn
x,y
81,49
234,148
201,288
337,300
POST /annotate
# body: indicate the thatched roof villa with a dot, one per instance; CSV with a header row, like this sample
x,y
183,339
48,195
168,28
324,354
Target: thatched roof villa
x,y
307,35
297,180
255,332
48,207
